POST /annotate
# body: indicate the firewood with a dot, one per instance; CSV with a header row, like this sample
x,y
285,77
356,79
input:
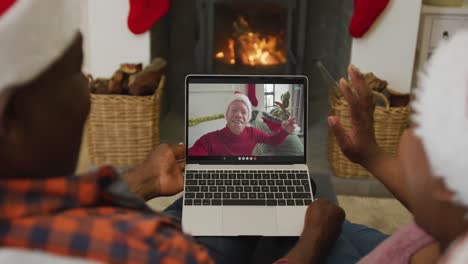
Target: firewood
x,y
116,82
100,86
145,81
131,68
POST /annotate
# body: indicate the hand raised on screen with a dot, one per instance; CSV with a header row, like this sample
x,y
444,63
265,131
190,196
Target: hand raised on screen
x,y
289,125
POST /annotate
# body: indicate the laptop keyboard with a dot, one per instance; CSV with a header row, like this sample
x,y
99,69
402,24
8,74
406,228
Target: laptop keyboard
x,y
247,187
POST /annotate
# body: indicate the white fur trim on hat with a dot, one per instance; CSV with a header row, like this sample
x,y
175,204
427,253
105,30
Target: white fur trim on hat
x,y
35,33
441,113
242,98
457,253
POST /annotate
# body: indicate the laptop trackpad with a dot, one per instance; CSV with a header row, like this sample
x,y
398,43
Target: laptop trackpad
x,y
249,220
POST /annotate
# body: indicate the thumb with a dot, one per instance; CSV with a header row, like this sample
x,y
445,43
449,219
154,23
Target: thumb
x,y
181,165
338,130
179,151
180,180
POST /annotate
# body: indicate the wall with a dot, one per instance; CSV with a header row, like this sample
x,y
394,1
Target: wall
x,y
210,99
328,41
107,40
388,49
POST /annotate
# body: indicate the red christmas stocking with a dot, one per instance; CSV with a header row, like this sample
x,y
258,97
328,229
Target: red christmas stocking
x,y
364,15
144,13
5,5
251,94
272,125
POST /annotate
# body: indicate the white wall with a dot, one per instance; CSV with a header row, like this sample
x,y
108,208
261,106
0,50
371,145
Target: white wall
x,y
107,40
211,99
260,94
388,49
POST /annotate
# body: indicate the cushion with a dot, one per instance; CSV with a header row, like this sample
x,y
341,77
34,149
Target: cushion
x,y
292,145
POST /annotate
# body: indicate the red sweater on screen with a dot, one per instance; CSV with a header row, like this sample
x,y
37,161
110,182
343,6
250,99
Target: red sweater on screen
x,y
225,143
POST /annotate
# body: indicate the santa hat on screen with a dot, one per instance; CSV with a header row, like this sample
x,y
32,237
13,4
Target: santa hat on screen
x,y
441,113
242,98
34,33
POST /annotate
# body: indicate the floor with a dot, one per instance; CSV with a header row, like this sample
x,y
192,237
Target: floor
x,y
364,201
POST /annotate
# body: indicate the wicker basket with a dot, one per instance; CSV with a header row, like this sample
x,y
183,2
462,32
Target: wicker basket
x,y
389,124
123,129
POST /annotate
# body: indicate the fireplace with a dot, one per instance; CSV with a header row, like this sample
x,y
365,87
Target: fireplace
x,y
295,33
250,37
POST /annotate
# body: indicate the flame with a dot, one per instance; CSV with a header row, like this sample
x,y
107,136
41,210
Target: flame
x,y
232,55
253,49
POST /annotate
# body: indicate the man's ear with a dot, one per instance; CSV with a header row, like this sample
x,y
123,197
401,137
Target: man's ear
x,y
441,192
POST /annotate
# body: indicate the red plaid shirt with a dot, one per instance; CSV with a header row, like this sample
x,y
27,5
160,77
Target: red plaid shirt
x,y
83,217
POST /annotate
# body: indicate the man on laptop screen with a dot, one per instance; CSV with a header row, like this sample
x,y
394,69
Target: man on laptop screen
x,y
240,133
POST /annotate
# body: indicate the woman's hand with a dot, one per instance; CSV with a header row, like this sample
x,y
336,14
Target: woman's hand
x,y
358,144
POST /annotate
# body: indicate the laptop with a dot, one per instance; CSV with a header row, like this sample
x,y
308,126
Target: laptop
x,y
245,178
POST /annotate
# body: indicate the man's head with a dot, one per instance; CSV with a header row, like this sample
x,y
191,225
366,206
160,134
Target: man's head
x,y
238,113
43,94
433,154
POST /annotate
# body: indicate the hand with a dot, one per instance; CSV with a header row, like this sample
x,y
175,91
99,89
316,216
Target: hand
x,y
160,174
322,226
289,125
359,144
323,221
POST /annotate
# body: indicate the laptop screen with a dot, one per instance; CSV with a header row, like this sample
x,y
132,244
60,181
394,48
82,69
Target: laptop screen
x,y
246,119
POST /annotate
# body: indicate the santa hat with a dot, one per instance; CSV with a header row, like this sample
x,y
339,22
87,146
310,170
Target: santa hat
x,y
242,98
457,252
441,113
34,33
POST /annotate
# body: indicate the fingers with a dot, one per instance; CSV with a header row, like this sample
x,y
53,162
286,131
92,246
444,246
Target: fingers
x,y
291,124
351,98
179,153
324,203
347,92
181,165
340,133
318,202
178,150
180,182
359,83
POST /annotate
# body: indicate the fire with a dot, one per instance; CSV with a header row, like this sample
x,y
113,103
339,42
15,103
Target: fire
x,y
252,48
